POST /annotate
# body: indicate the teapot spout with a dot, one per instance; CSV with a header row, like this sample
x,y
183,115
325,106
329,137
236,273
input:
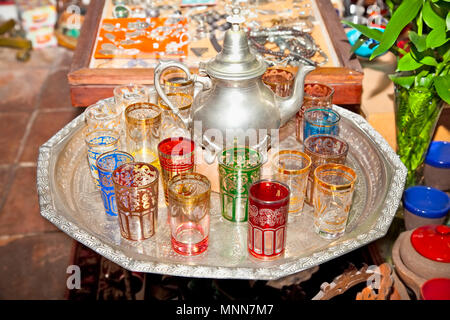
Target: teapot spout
x,y
289,106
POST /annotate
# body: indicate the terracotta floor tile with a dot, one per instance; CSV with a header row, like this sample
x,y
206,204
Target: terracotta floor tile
x,y
20,89
4,177
35,267
12,130
44,127
56,91
20,213
40,58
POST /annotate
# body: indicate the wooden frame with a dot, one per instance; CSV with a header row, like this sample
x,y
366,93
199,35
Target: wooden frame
x,y
88,85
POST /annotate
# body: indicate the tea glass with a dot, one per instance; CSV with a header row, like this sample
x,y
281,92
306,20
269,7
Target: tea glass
x,y
239,167
316,95
106,164
292,167
279,80
188,210
98,142
267,221
320,121
334,185
175,81
129,94
103,115
176,155
323,149
171,124
136,189
143,122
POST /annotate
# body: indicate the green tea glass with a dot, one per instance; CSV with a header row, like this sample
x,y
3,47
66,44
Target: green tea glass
x,y
239,167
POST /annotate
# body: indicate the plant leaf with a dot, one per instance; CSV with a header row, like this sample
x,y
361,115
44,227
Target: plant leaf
x,y
419,41
407,63
447,21
404,14
437,37
442,85
405,82
368,32
425,57
444,51
424,81
358,44
431,18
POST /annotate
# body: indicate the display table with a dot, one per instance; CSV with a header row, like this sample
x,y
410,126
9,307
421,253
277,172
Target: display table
x,y
92,79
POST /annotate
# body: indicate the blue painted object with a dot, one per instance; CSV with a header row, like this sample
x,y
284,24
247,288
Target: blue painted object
x,y
320,121
106,164
426,202
99,142
364,51
439,154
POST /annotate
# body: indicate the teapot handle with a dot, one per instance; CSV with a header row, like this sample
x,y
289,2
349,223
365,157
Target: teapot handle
x,y
158,72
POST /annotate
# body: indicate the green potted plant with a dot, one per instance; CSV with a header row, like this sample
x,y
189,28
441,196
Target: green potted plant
x,y
422,78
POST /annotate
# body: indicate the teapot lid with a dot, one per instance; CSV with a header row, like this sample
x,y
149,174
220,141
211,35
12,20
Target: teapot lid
x,y
235,61
432,242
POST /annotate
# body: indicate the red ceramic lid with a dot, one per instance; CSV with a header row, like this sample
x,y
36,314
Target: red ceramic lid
x,y
436,289
432,242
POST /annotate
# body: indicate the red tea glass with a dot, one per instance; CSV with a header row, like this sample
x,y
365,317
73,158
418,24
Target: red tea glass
x,y
136,188
176,155
268,213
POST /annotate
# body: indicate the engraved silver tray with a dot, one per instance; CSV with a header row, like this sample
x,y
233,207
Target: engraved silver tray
x,y
69,200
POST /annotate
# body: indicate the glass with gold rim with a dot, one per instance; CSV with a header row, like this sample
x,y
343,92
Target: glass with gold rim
x,y
136,190
188,210
143,122
334,185
292,167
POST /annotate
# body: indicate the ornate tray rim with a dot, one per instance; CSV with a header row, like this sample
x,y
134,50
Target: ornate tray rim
x,y
388,209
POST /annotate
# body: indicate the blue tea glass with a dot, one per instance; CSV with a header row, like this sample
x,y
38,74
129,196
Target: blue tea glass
x,y
320,121
98,142
106,164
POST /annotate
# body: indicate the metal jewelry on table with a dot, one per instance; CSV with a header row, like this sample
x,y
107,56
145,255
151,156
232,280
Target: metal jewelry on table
x,y
290,46
121,11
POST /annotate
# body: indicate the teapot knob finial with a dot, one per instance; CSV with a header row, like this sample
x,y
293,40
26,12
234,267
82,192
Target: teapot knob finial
x,y
236,18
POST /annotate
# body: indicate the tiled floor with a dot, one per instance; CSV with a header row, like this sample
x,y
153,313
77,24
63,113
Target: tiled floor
x,y
34,105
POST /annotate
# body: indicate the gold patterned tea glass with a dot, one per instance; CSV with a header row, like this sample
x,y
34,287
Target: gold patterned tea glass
x,y
279,80
322,149
171,125
189,216
143,122
316,95
175,81
136,189
292,167
333,192
129,94
102,115
98,142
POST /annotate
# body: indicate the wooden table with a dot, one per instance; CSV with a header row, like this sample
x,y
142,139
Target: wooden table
x,y
91,80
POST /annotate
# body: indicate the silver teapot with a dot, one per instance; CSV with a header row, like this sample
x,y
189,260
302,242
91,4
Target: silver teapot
x,y
234,106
